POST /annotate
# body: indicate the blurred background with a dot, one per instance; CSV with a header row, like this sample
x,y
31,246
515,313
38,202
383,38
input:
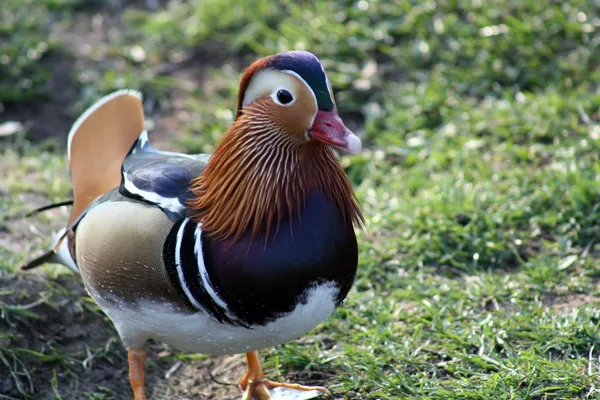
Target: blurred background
x,y
479,274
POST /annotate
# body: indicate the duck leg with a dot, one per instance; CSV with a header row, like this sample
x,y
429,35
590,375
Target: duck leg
x,y
256,386
137,358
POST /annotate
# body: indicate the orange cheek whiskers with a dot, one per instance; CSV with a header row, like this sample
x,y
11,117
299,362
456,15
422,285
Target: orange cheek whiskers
x,y
267,175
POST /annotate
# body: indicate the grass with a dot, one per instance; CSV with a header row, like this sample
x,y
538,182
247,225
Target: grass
x,y
479,272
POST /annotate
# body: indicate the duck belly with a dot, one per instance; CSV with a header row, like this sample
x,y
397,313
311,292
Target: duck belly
x,y
199,332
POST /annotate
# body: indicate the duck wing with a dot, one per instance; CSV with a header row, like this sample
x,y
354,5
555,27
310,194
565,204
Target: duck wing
x,y
160,178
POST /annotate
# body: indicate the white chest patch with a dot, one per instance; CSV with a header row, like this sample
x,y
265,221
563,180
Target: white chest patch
x,y
199,333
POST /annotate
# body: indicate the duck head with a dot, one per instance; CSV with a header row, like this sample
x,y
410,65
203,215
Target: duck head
x,y
290,92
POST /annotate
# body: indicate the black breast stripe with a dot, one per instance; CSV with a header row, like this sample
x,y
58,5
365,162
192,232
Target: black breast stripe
x,y
169,261
189,268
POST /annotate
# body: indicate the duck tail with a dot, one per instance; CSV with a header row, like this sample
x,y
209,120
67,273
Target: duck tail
x,y
99,142
49,207
59,253
97,145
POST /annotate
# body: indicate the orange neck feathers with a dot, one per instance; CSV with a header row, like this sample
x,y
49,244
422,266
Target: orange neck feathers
x,y
258,175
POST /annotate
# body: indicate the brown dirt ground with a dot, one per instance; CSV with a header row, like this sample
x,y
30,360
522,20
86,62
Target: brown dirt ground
x,y
89,356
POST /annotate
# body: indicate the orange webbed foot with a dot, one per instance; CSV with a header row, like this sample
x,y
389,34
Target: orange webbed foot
x,y
256,386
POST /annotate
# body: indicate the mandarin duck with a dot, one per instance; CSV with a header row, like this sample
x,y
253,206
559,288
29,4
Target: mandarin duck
x,y
247,248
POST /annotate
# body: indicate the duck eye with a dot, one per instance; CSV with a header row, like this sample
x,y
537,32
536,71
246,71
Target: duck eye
x,y
284,96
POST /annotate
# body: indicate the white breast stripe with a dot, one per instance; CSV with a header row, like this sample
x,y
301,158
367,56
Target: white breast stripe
x,y
184,286
202,270
168,203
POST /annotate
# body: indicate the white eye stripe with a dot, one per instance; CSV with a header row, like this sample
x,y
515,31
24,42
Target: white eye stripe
x,y
267,83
